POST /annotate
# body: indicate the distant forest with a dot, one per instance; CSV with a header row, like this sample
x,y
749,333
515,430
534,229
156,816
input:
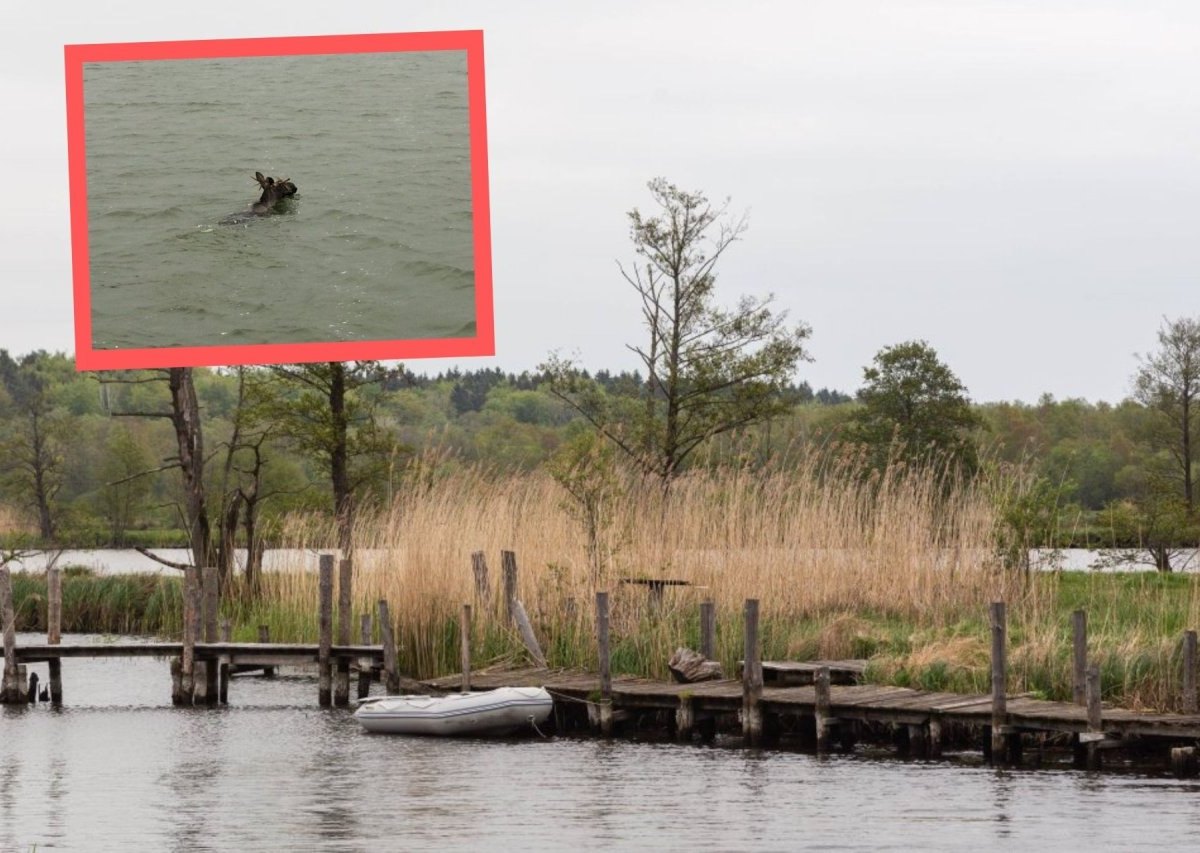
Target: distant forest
x,y
86,460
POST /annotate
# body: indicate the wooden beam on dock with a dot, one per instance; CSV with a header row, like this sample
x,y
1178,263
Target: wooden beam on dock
x,y
364,672
1000,730
1189,672
10,687
210,583
341,689
508,563
324,629
54,629
223,667
464,638
605,660
479,568
752,680
708,629
391,668
1079,657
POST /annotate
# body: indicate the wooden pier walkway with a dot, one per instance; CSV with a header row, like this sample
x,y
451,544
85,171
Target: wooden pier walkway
x,y
866,703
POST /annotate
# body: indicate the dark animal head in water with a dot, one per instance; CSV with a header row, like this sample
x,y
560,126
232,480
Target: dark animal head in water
x,y
273,191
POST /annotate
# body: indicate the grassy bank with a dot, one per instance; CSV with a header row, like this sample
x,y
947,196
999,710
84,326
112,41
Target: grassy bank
x,y
898,569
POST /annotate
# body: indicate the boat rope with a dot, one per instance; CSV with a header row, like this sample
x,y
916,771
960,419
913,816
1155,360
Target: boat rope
x,y
533,723
565,698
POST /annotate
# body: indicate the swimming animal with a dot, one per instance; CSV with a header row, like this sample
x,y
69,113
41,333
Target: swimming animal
x,y
274,190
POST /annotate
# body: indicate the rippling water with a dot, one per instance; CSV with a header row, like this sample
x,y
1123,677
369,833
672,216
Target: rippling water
x,y
119,769
376,245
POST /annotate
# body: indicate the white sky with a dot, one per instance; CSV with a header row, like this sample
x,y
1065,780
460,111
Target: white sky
x,y
1015,182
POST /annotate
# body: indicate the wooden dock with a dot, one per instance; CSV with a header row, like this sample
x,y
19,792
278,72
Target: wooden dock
x,y
822,704
922,715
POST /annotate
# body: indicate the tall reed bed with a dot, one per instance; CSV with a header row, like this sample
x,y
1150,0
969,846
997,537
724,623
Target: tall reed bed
x,y
830,551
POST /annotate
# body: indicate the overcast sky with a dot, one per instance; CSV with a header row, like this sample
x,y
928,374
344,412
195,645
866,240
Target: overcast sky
x,y
1016,183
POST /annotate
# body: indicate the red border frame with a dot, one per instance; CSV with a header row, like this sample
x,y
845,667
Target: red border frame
x,y
87,358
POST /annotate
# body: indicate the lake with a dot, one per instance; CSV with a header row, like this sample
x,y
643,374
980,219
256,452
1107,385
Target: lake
x,y
118,768
376,245
121,560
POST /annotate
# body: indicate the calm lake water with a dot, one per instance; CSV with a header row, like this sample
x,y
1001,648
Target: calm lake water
x,y
119,560
117,768
376,245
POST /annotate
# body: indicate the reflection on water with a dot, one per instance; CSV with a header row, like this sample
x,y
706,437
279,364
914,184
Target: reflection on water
x,y
119,769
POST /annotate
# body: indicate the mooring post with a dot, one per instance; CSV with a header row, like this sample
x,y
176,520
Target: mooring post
x,y
391,670
1079,657
606,709
364,672
1189,672
752,678
479,568
187,658
264,637
54,629
226,637
324,629
341,691
211,590
10,691
1095,732
821,710
708,629
685,719
464,636
935,738
999,682
1183,761
508,562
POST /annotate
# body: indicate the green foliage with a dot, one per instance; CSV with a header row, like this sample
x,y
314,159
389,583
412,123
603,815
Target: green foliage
x,y
708,369
915,409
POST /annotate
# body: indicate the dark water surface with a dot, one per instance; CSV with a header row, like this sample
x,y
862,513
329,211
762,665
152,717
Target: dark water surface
x,y
117,768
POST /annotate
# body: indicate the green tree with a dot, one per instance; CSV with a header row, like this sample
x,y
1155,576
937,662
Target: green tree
x,y
914,408
125,482
33,435
326,410
1168,382
707,369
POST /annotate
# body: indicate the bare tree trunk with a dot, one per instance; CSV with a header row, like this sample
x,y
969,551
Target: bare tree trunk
x,y
185,417
339,461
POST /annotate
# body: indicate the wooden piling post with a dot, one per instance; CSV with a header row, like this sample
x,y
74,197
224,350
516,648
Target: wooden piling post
x,y
1095,716
264,637
508,562
223,670
752,678
10,689
387,636
821,710
527,636
464,637
54,629
708,629
999,681
1079,657
364,672
1189,672
935,738
341,692
210,583
1183,761
479,568
324,630
685,719
191,630
602,645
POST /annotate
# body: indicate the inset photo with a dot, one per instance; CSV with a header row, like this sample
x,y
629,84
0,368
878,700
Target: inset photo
x,y
279,200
